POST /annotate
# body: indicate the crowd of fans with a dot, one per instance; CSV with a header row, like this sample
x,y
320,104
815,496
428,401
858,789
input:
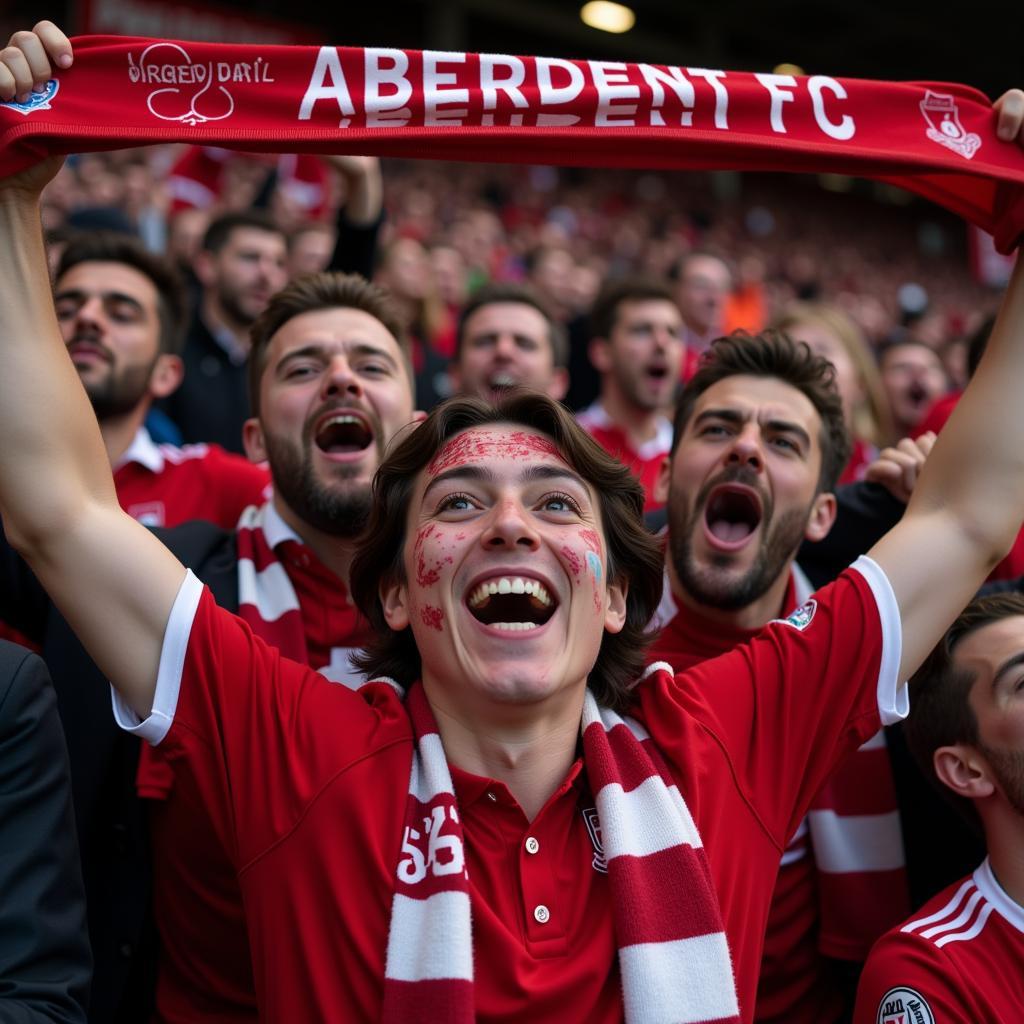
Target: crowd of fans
x,y
768,358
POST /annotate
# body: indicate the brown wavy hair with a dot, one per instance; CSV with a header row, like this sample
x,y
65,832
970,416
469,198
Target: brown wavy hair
x,y
634,556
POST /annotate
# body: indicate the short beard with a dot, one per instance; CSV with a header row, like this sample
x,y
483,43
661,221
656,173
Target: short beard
x,y
714,586
120,393
339,512
231,307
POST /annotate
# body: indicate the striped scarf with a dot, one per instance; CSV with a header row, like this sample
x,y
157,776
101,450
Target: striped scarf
x,y
673,954
266,597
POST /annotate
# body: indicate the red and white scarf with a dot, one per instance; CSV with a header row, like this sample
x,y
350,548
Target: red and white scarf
x,y
294,602
935,139
673,954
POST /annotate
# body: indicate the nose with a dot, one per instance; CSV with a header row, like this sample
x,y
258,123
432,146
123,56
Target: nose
x,y
340,379
510,528
745,449
91,312
505,348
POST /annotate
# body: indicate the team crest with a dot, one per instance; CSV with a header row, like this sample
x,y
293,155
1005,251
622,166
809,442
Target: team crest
x,y
944,127
36,100
593,823
801,618
904,1006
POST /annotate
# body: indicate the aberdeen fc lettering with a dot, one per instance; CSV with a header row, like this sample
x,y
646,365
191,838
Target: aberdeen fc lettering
x,y
444,854
192,93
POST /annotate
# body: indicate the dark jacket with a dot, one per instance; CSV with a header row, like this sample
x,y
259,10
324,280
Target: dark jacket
x,y
44,948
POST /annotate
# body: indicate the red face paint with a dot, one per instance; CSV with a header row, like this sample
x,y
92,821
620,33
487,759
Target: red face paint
x,y
574,561
427,573
431,617
482,444
592,540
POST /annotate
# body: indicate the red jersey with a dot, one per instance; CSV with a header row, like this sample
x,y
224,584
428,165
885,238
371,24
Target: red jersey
x,y
205,968
162,485
307,785
644,462
959,960
846,852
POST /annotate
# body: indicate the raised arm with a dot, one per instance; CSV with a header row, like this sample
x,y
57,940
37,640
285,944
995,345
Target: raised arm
x,y
968,504
113,581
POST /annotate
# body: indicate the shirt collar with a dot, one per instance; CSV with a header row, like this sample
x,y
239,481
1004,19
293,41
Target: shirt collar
x,y
989,887
597,415
275,529
144,451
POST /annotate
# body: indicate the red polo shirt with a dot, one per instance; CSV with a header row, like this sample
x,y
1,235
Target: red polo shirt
x,y
307,782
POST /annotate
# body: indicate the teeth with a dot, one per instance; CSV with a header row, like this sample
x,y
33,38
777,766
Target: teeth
x,y
343,420
510,585
515,627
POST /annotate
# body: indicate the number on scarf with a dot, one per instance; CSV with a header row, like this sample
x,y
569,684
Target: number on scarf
x,y
444,856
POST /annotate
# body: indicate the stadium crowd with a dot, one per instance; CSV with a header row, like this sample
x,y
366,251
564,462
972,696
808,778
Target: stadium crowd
x,y
563,537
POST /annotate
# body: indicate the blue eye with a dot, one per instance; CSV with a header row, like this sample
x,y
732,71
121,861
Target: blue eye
x,y
456,503
564,501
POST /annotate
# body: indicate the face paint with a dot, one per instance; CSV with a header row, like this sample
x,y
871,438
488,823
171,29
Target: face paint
x,y
474,445
592,540
431,617
574,561
594,564
428,575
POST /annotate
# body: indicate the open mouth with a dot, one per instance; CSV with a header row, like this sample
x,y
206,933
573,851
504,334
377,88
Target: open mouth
x,y
512,603
732,514
917,395
343,434
656,373
498,381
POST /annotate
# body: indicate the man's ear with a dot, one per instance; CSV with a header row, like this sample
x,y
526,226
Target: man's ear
x,y
559,383
597,352
202,265
964,770
394,599
253,441
615,615
167,374
661,485
823,515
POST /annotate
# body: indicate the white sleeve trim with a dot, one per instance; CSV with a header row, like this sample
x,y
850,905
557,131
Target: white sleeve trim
x,y
893,700
172,662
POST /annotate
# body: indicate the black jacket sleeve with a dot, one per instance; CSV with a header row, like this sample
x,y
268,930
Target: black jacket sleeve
x,y
864,514
45,962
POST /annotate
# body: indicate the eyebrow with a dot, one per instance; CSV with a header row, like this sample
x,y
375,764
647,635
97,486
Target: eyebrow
x,y
323,352
1007,666
732,416
77,295
483,474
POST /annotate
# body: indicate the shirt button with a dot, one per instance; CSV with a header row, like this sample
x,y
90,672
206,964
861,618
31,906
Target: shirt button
x,y
541,914
492,796
532,846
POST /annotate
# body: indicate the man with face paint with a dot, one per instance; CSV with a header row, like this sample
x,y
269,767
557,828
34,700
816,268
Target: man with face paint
x,y
960,958
759,443
364,826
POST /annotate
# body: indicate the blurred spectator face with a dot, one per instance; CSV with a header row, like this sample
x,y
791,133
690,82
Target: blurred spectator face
x,y
505,344
702,290
552,276
644,354
913,377
185,231
406,270
334,392
824,343
244,273
449,274
310,250
110,324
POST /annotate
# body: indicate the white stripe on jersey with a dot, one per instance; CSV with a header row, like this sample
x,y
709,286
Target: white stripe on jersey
x,y
971,932
939,915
